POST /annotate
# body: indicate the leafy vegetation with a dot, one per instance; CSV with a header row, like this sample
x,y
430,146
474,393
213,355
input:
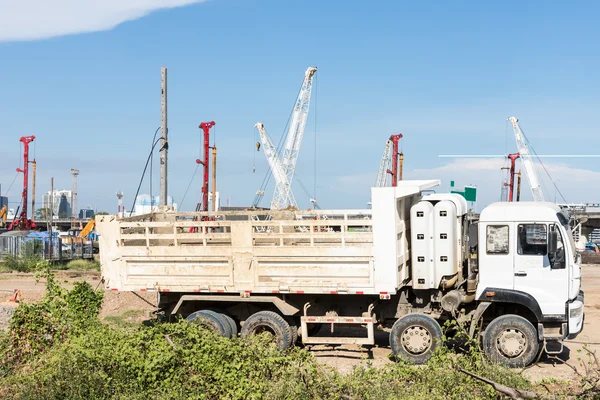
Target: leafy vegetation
x,y
27,262
81,265
59,349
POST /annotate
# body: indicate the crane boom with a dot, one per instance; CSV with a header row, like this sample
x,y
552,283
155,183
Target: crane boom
x,y
283,190
384,165
534,182
287,197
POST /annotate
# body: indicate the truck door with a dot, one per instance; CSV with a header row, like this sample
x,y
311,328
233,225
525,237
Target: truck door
x,y
543,277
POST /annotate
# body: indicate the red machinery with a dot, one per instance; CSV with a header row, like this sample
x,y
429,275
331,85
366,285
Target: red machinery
x,y
22,222
205,126
394,172
511,184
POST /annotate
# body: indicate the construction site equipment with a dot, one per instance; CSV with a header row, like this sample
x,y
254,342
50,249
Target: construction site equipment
x,y
87,229
511,182
21,222
3,213
412,260
205,126
532,177
390,164
283,196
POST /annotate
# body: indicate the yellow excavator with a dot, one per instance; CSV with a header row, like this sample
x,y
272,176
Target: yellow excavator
x,y
87,229
3,213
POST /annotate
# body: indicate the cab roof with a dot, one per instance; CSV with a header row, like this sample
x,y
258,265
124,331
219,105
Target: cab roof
x,y
520,211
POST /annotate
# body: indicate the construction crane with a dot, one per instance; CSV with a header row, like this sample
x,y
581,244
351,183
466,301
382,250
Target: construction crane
x,y
534,182
390,160
384,165
283,196
511,184
21,221
276,168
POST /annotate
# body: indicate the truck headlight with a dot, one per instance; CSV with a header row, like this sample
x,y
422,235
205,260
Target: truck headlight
x,y
576,312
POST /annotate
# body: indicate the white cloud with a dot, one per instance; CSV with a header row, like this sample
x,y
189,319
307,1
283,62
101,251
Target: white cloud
x,y
40,19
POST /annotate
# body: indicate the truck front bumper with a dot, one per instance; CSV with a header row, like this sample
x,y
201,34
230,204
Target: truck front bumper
x,y
576,316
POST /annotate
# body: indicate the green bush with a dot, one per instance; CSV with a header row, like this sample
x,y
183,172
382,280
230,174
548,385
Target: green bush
x,y
82,265
59,349
27,262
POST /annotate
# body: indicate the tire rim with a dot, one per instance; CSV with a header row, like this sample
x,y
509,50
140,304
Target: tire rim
x,y
511,343
416,340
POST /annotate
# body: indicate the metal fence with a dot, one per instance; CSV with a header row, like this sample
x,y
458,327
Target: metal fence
x,y
59,250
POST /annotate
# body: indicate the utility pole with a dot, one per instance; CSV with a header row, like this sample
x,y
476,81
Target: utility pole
x,y
120,211
395,155
49,224
34,164
214,178
164,144
75,173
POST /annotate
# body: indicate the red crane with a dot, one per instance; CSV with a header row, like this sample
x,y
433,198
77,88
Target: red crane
x,y
511,185
22,222
394,172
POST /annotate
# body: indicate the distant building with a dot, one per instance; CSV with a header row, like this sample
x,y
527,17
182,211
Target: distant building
x,y
61,203
3,202
85,213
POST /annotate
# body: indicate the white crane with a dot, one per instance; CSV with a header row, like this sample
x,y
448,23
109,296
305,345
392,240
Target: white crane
x,y
384,165
532,177
276,168
283,173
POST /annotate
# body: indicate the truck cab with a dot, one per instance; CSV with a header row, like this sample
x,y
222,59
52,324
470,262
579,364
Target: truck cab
x,y
527,262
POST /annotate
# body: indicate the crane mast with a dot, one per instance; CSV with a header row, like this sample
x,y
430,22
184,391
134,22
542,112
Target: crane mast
x,y
384,165
283,190
534,183
278,202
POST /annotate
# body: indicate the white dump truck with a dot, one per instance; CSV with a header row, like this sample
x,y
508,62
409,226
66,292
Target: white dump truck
x,y
414,260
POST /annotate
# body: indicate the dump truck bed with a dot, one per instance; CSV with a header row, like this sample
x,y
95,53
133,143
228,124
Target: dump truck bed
x,y
239,252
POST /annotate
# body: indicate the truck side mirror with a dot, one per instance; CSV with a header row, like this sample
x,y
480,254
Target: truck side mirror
x,y
552,241
473,235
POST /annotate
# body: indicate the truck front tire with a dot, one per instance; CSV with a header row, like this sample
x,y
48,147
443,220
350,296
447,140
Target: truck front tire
x,y
269,321
414,338
511,340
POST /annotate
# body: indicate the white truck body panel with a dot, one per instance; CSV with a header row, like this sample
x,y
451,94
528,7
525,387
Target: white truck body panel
x,y
321,252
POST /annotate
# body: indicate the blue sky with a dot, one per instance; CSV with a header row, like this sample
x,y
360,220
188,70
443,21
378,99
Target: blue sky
x,y
445,74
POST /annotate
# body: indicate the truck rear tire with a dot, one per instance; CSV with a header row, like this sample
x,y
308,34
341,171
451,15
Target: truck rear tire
x,y
511,340
414,338
268,321
293,331
212,321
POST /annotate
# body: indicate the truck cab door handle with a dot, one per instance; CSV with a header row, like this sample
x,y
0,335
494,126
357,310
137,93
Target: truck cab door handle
x,y
521,273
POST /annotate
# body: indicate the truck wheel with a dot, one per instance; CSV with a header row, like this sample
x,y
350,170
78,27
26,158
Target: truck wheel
x,y
212,321
231,323
228,320
268,321
414,338
511,340
293,331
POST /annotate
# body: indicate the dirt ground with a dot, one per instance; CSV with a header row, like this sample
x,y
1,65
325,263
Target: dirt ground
x,y
128,307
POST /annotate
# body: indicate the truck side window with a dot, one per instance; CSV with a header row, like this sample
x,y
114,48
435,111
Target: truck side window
x,y
532,239
497,239
558,259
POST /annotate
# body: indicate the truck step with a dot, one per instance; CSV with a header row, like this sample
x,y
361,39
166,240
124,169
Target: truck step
x,y
369,322
554,348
